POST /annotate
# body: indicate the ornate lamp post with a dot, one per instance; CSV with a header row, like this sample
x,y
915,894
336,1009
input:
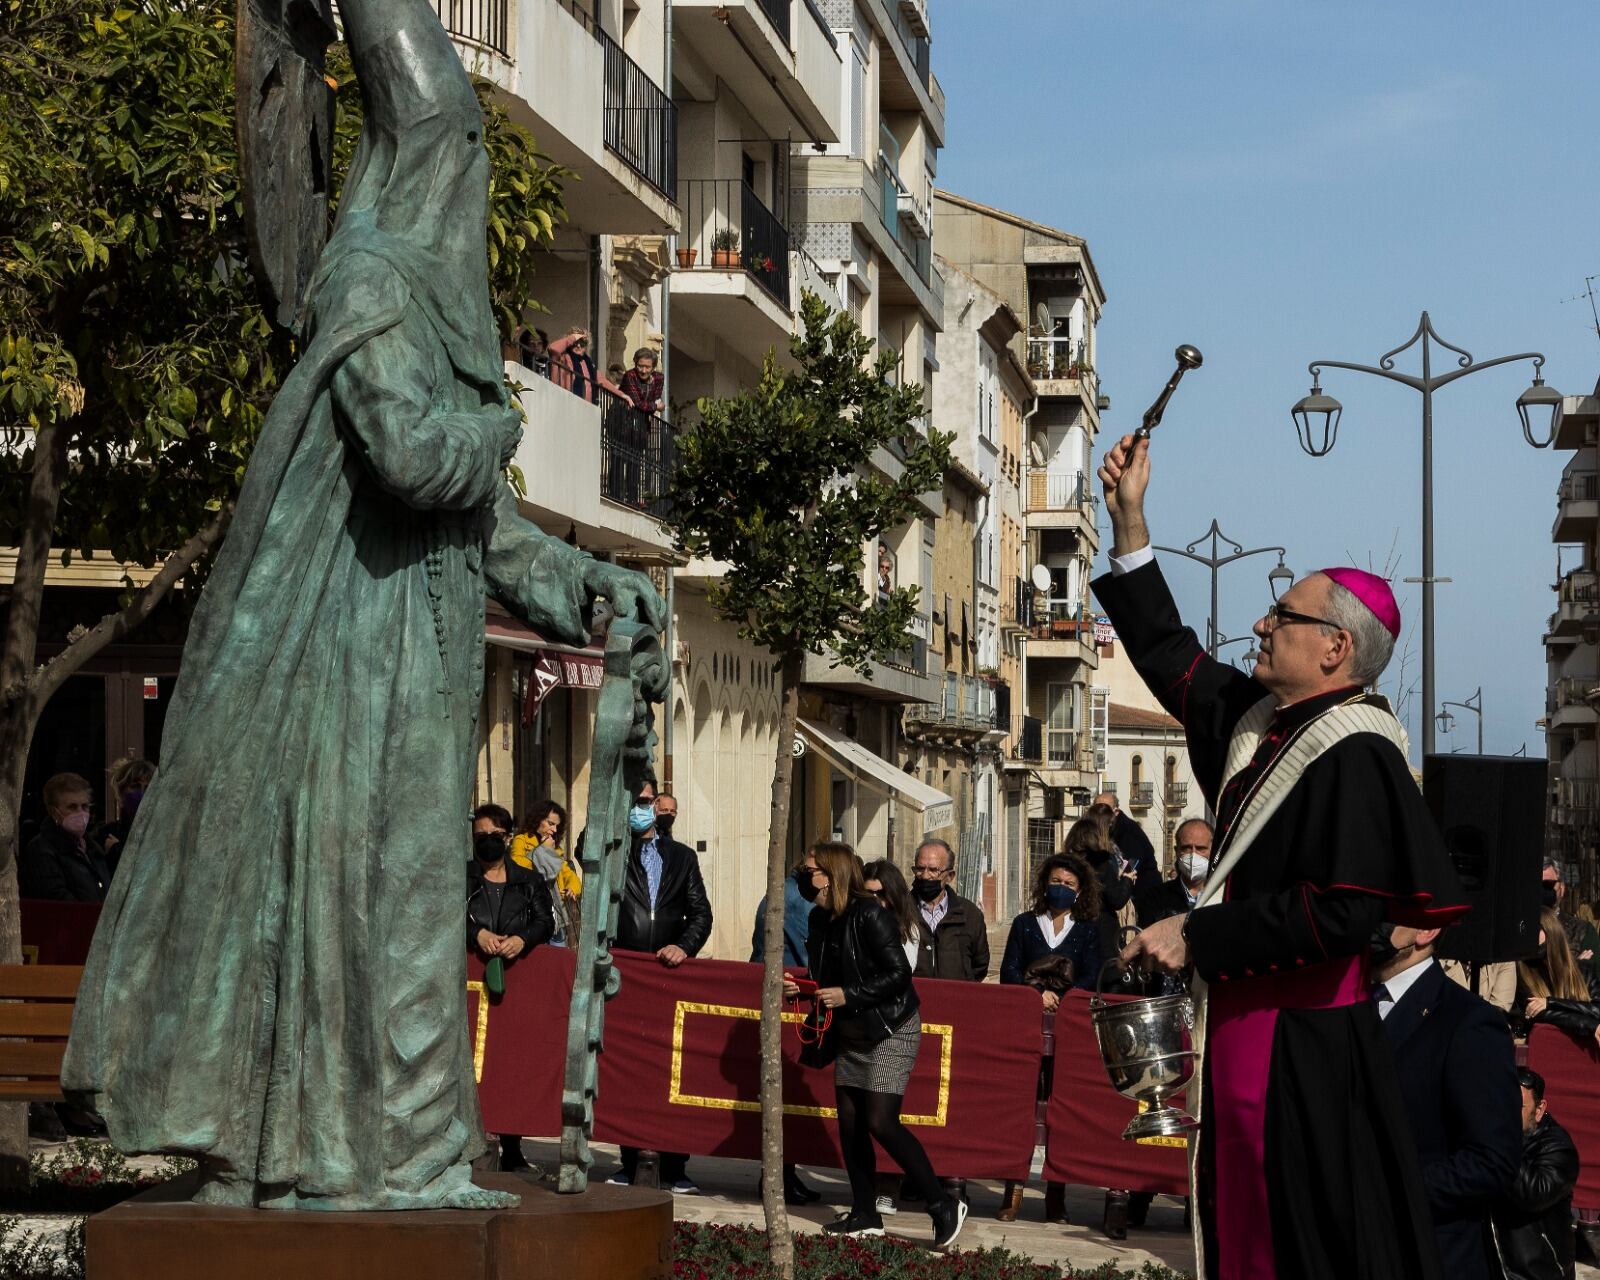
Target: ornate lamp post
x,y
1474,704
1280,577
1316,419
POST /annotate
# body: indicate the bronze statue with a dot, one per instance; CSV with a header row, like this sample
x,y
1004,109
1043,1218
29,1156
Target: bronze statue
x,y
278,984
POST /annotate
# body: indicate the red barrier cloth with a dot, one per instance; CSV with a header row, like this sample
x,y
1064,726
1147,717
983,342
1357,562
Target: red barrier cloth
x,y
681,1071
681,1066
1086,1116
519,1041
1571,1071
57,932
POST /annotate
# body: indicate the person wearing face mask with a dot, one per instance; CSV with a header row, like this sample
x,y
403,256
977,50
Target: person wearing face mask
x,y
1053,946
508,914
664,911
1177,896
1552,987
1458,1080
63,862
955,937
800,892
130,779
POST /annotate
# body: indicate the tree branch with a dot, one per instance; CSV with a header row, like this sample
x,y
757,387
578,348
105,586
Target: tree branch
x,y
111,628
33,558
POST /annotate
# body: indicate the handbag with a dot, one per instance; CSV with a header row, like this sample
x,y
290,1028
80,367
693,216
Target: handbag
x,y
819,1038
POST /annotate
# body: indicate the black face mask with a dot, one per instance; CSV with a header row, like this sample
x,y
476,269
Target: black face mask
x,y
927,890
489,846
1381,945
664,822
1547,893
810,890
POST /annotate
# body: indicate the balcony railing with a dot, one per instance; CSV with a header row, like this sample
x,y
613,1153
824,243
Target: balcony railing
x,y
1580,587
1574,795
1177,795
726,227
640,119
1580,486
1062,620
1026,741
638,452
890,190
481,22
1061,491
1062,358
1061,748
1575,691
777,12
1142,795
967,705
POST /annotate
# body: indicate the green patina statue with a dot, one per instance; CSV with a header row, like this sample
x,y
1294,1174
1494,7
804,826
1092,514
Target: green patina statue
x,y
278,984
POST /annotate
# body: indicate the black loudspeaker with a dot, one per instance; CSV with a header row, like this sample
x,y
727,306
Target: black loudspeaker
x,y
1490,810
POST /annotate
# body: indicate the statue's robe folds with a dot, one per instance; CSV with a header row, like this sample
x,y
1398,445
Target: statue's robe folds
x,y
1306,1168
277,986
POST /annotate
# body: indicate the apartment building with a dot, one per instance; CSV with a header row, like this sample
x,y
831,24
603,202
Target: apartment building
x,y
1057,727
982,396
1572,652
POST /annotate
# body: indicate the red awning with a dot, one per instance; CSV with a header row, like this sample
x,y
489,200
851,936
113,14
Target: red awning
x,y
555,664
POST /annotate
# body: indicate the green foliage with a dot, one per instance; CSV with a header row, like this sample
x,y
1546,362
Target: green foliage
x,y
779,482
27,1255
128,314
703,1251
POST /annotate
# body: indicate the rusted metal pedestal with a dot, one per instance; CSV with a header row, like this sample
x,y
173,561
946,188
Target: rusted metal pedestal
x,y
608,1233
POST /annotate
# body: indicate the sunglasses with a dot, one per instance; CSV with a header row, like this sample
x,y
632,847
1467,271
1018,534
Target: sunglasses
x,y
1278,616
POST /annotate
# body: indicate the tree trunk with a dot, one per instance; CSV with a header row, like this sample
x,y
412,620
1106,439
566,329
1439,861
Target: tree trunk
x,y
780,1243
24,691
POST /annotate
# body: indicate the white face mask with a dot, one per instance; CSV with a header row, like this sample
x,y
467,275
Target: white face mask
x,y
1192,867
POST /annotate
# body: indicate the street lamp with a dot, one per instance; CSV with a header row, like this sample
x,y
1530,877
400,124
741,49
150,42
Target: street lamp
x,y
1316,419
1278,579
1252,655
1474,704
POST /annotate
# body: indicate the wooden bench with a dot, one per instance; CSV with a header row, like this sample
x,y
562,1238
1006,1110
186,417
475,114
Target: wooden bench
x,y
36,1003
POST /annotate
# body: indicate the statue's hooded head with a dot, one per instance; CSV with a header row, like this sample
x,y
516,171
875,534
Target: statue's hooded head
x,y
418,184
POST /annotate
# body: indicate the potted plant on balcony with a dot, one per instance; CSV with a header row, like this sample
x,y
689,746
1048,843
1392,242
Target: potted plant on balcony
x,y
686,257
725,248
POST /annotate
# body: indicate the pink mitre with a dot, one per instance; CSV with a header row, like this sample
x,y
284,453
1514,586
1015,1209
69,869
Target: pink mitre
x,y
1372,591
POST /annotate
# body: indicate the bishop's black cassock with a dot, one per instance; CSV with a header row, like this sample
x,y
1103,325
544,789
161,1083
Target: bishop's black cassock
x,y
1306,1169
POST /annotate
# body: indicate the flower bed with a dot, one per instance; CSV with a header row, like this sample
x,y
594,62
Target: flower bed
x,y
704,1251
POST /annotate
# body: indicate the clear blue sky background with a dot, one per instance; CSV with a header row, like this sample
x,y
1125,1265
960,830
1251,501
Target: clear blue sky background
x,y
1276,181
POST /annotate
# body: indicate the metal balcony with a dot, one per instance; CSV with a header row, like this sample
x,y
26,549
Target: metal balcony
x,y
640,118
1142,795
1177,796
726,227
638,452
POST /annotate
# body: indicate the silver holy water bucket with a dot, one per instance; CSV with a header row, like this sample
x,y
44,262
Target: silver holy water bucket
x,y
1149,1052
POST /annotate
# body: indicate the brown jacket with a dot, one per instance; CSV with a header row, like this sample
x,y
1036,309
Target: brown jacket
x,y
960,948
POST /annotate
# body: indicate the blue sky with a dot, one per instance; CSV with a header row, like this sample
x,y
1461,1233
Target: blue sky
x,y
1276,181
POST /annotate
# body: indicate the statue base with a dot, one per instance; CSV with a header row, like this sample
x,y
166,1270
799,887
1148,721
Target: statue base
x,y
619,1233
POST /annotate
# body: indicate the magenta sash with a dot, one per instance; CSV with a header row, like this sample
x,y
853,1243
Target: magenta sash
x,y
1241,1018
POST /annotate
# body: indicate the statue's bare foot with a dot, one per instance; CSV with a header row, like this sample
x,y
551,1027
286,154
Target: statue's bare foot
x,y
475,1197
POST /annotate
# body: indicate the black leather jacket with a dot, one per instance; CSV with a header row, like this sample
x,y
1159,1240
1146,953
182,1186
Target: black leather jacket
x,y
682,914
1533,1222
525,910
861,952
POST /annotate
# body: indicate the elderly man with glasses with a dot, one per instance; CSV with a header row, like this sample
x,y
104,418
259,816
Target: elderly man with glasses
x,y
1304,1165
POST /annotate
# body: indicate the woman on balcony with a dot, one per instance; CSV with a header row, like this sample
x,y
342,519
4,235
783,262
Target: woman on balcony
x,y
572,366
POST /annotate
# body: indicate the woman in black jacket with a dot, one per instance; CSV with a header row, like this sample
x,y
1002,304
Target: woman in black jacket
x,y
864,978
1552,987
1090,839
509,913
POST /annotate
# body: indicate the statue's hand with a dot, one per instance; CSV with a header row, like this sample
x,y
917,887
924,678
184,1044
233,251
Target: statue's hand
x,y
631,593
510,432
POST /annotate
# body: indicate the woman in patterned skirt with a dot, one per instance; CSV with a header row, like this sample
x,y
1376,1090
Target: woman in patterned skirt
x,y
864,977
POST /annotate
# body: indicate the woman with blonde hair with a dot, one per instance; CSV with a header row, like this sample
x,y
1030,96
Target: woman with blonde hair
x,y
864,979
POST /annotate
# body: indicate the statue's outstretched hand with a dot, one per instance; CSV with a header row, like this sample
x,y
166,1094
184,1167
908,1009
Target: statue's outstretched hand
x,y
630,593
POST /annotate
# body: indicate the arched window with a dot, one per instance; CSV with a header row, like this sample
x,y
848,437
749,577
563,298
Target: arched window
x,y
1138,770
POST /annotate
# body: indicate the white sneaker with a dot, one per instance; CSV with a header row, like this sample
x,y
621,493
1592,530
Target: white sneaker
x,y
886,1207
684,1187
619,1179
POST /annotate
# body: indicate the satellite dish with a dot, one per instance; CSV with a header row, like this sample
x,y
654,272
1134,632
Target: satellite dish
x,y
1042,317
1041,578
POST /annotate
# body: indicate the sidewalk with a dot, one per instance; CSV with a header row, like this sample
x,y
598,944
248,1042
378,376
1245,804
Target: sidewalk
x,y
728,1195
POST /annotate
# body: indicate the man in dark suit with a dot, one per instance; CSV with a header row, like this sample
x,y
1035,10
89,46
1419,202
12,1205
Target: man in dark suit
x,y
666,912
1458,1080
1177,896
